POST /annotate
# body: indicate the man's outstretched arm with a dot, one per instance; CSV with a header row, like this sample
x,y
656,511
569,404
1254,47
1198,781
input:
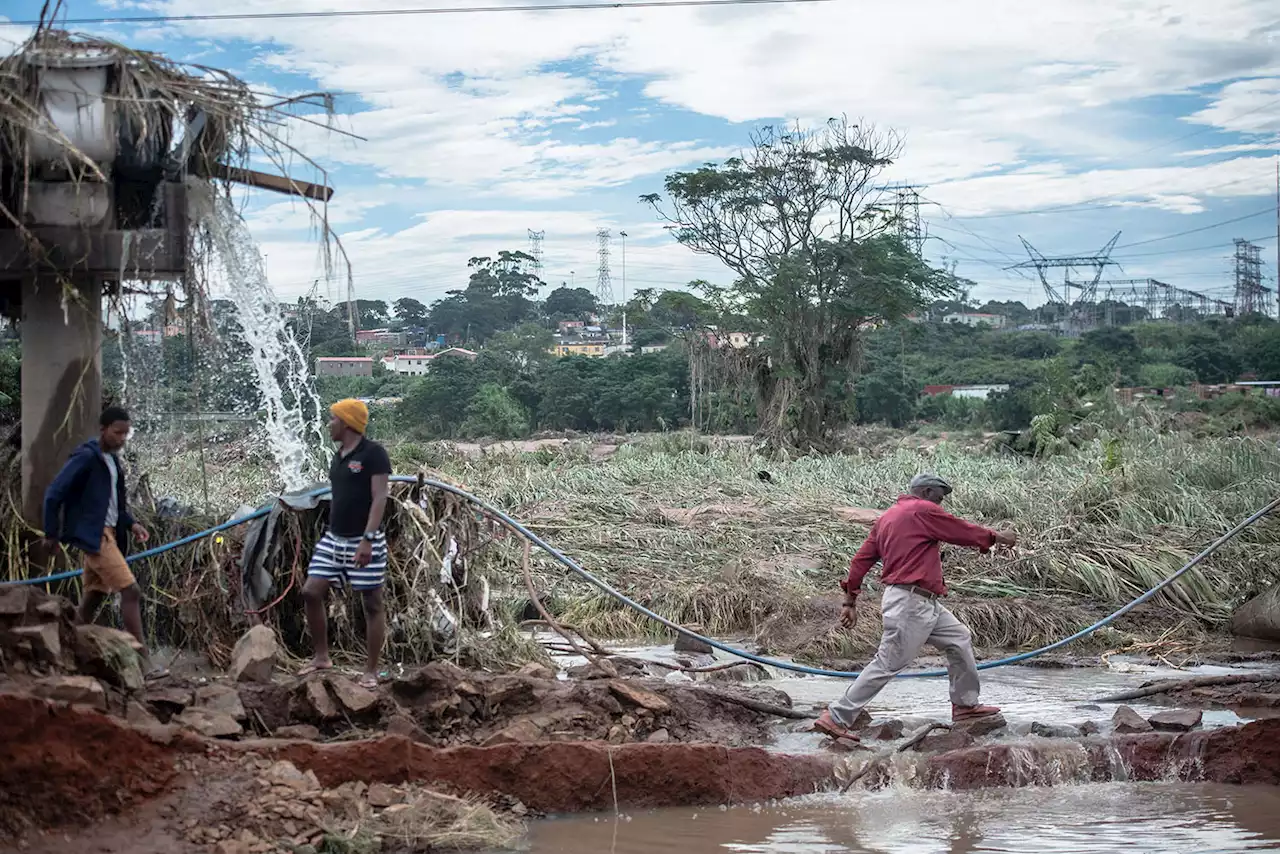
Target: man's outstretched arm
x,y
945,528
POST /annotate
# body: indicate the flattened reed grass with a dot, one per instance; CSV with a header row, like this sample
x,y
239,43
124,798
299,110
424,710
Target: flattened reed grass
x,y
1090,538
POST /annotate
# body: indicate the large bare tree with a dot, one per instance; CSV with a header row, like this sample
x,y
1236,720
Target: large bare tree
x,y
800,219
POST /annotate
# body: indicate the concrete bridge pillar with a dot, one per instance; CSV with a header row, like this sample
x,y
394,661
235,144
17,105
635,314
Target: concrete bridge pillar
x,y
61,378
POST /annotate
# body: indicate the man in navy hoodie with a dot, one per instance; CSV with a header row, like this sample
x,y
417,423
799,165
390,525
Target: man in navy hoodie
x,y
85,507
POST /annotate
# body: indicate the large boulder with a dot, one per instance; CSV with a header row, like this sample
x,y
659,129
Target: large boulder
x,y
255,655
110,655
1259,617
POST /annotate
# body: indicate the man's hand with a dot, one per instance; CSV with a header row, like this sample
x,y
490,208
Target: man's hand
x,y
364,553
140,533
848,614
1006,538
50,545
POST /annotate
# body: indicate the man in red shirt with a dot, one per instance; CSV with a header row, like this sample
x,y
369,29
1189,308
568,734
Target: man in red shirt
x,y
905,540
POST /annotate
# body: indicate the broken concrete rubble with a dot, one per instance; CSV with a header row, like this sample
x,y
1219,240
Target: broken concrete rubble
x,y
222,699
209,722
77,690
254,657
111,655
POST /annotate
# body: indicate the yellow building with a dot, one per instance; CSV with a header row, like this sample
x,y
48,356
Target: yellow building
x,y
594,349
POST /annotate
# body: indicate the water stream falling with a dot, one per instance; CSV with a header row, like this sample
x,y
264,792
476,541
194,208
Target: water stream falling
x,y
292,413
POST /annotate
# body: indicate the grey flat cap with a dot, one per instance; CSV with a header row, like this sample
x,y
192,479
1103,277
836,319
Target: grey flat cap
x,y
927,480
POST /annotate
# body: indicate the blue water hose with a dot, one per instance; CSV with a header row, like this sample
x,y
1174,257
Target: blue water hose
x,y
570,564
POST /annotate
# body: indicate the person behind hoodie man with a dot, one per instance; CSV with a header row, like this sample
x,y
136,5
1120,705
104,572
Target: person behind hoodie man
x,y
354,549
86,508
905,541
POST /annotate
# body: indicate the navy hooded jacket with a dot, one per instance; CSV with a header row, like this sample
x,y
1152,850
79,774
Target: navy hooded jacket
x,y
75,505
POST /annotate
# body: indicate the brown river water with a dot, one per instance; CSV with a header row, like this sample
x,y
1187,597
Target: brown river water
x,y
1073,818
1152,818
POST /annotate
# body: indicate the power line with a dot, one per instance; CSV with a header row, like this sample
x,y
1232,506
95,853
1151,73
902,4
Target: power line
x,y
437,10
1265,211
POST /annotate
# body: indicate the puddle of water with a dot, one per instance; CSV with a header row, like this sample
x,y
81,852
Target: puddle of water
x,y
1154,818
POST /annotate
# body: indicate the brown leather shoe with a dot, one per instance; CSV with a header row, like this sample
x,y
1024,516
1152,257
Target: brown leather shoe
x,y
969,713
828,725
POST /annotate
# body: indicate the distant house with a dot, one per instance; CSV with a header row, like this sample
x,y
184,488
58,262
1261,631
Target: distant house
x,y
417,364
975,392
973,318
380,338
733,340
344,366
594,349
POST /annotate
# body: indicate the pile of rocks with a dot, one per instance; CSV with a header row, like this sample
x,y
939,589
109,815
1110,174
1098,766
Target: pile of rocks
x,y
1126,721
39,637
285,809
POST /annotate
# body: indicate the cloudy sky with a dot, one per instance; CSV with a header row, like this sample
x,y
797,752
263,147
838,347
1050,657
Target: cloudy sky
x,y
1063,121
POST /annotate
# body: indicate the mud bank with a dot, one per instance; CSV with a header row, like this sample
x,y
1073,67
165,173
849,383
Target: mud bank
x,y
573,777
62,765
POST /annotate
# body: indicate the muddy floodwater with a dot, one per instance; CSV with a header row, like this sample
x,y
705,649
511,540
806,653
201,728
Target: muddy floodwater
x,y
1152,818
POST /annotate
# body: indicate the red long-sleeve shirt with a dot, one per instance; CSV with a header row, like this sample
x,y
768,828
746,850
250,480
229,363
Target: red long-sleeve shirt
x,y
905,539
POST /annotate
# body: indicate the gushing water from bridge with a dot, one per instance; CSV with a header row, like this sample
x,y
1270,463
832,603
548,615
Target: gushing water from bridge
x,y
292,415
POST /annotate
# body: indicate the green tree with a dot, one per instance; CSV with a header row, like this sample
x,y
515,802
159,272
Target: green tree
x,y
570,304
410,312
1165,376
1209,356
526,345
887,395
682,309
797,218
432,406
494,412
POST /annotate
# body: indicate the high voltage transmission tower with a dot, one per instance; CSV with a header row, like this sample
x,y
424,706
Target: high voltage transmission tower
x,y
1077,310
1250,294
604,285
535,250
906,217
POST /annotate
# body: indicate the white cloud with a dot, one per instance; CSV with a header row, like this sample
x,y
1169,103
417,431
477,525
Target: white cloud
x,y
1183,189
1246,106
429,258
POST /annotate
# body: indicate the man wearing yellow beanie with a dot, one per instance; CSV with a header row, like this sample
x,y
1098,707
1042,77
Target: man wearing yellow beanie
x,y
354,549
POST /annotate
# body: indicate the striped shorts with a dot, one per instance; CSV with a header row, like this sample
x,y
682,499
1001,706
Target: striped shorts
x,y
335,560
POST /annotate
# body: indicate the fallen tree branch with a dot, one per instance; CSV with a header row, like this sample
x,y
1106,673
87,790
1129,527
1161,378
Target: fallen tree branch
x,y
760,706
916,737
709,669
595,647
599,662
1168,685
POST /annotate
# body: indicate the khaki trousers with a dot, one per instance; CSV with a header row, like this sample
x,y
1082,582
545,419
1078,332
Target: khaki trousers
x,y
910,622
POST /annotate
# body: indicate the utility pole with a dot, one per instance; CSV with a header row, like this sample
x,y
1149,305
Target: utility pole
x,y
623,235
1278,232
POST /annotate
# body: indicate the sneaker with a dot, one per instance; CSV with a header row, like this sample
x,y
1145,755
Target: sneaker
x,y
969,713
828,725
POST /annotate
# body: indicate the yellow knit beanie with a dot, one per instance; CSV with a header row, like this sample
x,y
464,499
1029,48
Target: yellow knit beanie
x,y
353,413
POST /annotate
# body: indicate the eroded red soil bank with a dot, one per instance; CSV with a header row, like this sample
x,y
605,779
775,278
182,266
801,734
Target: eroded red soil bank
x,y
62,766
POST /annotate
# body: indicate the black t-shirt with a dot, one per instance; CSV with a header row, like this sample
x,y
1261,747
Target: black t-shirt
x,y
352,480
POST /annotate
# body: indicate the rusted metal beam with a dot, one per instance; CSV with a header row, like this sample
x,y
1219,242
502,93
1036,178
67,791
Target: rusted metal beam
x,y
275,183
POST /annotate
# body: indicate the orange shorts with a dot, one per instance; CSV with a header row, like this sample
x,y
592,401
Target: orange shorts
x,y
107,571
